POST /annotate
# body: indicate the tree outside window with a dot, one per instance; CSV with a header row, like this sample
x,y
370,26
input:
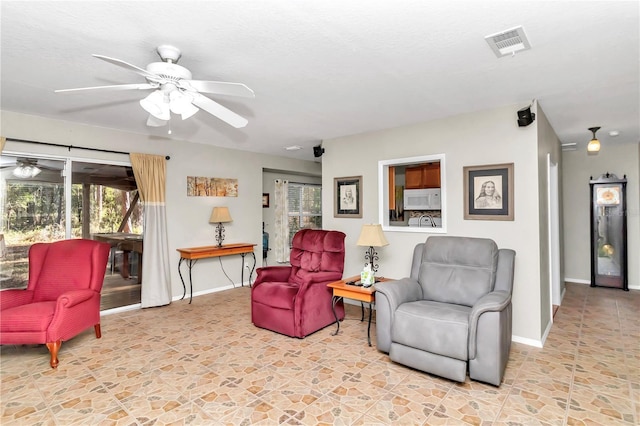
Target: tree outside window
x,y
304,207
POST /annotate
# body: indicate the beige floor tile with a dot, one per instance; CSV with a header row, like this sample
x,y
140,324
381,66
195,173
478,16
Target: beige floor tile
x,y
526,407
585,398
28,416
160,366
395,409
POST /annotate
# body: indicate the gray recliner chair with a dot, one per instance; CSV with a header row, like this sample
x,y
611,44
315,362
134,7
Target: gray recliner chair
x,y
453,313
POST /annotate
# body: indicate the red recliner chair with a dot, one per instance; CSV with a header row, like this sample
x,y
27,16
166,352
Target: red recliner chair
x,y
62,297
295,300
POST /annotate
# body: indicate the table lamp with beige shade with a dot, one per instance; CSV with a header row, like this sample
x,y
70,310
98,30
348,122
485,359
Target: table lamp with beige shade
x,y
220,215
372,236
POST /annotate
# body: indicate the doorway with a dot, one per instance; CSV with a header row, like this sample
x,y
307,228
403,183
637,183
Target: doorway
x,y
554,236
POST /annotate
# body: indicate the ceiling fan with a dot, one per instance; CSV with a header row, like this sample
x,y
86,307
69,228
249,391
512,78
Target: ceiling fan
x,y
27,168
175,91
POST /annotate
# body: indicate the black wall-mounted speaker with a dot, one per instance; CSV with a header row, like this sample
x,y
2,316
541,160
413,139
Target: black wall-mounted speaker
x,y
525,116
318,151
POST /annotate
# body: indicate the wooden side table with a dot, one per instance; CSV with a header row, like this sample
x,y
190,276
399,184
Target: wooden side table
x,y
355,292
193,254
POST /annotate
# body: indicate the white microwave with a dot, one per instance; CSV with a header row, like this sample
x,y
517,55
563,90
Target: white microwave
x,y
422,199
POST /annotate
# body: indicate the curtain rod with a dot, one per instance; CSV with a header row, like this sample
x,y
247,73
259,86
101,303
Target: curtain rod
x,y
69,147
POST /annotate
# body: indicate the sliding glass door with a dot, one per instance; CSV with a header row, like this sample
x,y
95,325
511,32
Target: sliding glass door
x,y
41,202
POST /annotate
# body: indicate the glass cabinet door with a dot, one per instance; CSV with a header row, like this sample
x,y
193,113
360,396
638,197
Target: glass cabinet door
x,y
609,232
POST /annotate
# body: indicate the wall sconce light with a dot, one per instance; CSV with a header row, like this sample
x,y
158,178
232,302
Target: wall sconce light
x,y
372,236
220,215
593,147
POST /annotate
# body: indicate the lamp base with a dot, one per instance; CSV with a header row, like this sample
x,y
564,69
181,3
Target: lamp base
x,y
219,234
370,257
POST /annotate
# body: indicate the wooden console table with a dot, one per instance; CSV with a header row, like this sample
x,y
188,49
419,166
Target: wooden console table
x,y
193,254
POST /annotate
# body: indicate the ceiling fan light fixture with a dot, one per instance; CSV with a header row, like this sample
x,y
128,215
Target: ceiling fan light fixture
x,y
593,146
155,105
175,91
180,103
26,171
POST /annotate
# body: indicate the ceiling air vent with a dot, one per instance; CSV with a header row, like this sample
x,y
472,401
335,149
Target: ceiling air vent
x,y
508,42
571,146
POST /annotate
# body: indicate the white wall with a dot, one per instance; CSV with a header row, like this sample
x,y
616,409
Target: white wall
x,y
188,217
578,168
480,138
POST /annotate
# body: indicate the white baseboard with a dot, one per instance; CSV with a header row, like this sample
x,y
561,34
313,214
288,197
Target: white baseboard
x,y
120,309
588,282
527,341
174,299
208,291
576,280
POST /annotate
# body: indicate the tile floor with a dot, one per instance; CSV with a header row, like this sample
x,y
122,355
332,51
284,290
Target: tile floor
x,y
206,364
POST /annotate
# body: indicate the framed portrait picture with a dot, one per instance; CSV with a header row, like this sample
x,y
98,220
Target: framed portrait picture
x,y
488,192
347,193
265,200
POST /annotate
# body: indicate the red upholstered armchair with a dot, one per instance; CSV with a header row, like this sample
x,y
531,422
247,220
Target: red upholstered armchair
x,y
62,297
295,300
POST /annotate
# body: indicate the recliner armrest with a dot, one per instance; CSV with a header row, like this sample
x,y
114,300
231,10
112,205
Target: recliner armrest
x,y
14,297
400,291
273,273
390,295
323,277
74,297
495,301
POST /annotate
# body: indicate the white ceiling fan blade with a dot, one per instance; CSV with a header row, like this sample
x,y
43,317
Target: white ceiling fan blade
x,y
130,67
219,111
218,87
134,86
155,122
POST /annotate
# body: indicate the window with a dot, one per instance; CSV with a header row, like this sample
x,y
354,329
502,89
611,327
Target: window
x,y
305,207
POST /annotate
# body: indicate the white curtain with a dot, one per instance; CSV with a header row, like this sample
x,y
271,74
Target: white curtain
x,y
150,174
281,237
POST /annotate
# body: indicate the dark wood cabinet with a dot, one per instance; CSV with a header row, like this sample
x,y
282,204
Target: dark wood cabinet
x,y
423,176
609,232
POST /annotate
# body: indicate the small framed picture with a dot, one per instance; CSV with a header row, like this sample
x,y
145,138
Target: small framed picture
x,y
347,193
265,200
488,192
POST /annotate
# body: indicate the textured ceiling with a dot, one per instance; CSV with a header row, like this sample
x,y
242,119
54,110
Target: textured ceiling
x,y
325,69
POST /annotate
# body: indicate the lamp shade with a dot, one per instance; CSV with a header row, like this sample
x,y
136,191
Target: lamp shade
x,y
372,236
155,105
180,103
594,144
220,215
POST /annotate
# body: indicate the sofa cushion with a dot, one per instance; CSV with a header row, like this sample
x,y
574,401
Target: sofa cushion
x,y
26,318
439,328
458,270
